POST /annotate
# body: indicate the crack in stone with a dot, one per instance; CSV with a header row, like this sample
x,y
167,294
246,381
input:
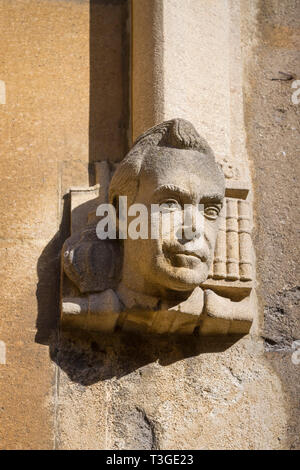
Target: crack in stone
x,y
151,426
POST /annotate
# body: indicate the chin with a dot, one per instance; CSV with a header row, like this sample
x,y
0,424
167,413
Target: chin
x,y
182,279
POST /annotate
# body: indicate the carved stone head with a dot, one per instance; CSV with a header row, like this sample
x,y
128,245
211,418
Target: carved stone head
x,y
151,283
170,164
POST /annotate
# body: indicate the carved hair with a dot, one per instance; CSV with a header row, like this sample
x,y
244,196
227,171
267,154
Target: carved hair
x,y
176,133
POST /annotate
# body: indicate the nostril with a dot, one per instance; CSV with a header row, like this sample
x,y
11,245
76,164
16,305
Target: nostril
x,y
187,233
190,233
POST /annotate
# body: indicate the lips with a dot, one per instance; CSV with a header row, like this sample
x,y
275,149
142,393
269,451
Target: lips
x,y
187,259
202,257
176,251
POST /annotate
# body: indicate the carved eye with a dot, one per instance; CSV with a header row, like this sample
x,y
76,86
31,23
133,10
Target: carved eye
x,y
170,205
211,212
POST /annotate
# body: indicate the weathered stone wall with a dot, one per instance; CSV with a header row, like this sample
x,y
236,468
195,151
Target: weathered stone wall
x,y
66,93
272,126
63,66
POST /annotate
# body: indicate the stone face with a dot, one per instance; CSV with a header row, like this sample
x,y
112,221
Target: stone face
x,y
172,166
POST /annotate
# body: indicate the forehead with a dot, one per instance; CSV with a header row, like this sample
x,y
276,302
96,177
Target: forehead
x,y
190,170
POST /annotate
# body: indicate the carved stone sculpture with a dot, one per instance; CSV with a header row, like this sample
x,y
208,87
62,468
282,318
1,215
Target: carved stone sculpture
x,y
199,284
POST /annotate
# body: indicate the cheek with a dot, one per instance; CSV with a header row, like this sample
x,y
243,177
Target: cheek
x,y
211,232
171,226
146,250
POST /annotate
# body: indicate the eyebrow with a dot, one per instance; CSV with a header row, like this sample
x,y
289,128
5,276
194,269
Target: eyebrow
x,y
174,188
213,198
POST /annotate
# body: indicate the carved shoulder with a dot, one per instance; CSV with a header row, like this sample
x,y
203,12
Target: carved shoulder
x,y
93,265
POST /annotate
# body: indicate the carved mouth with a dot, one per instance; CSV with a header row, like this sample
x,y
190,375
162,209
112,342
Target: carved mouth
x,y
192,254
178,252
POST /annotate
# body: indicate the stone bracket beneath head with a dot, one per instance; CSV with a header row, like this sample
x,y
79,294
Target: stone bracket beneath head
x,y
204,313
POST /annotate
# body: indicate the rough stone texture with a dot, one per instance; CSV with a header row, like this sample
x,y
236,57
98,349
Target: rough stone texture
x,y
272,124
171,394
56,56
27,378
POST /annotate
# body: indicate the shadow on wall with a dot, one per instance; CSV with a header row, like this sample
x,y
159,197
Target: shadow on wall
x,y
88,358
109,80
48,287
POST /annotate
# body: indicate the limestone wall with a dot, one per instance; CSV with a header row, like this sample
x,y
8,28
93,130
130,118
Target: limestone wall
x,y
272,126
65,65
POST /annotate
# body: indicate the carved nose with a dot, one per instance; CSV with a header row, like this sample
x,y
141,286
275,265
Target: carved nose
x,y
189,234
193,226
195,246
